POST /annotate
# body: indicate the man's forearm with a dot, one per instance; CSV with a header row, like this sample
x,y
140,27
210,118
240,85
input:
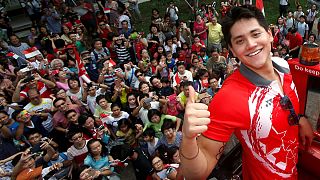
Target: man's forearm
x,y
48,83
16,95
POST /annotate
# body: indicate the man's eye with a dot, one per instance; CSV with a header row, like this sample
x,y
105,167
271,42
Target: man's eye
x,y
240,41
256,34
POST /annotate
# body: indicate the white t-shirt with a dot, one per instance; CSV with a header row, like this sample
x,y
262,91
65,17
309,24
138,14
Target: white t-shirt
x,y
91,100
187,73
45,104
143,113
114,121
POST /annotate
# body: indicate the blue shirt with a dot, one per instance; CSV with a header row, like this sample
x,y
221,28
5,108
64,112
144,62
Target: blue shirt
x,y
97,164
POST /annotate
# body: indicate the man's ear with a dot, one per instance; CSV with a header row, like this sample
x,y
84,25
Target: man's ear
x,y
231,49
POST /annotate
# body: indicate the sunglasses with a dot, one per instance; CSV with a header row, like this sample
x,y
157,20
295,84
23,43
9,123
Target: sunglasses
x,y
286,104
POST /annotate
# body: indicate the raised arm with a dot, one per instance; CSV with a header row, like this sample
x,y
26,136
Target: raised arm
x,y
198,154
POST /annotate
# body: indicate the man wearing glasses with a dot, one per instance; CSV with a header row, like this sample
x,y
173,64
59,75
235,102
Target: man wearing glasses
x,y
78,151
258,103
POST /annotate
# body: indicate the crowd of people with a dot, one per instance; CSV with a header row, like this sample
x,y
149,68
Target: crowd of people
x,y
85,94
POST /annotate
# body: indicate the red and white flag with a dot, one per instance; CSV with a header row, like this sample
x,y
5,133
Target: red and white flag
x,y
31,52
83,75
106,10
259,5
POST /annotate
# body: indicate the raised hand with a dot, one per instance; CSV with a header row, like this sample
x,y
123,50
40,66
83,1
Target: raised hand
x,y
196,117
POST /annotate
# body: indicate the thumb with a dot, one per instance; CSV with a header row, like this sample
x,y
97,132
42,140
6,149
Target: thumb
x,y
192,93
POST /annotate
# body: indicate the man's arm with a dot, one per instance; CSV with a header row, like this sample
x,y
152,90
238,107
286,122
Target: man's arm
x,y
197,162
198,155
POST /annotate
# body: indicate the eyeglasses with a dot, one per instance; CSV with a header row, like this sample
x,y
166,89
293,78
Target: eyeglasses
x,y
102,24
77,137
60,105
157,162
286,104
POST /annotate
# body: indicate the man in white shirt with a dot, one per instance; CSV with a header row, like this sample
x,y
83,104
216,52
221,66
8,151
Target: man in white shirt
x,y
40,107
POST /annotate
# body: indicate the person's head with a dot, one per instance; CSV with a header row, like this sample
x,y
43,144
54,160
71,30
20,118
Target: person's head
x,y
4,117
313,7
196,39
139,74
312,38
168,129
157,163
213,83
160,49
116,109
72,36
92,90
124,125
248,36
155,81
290,14
73,82
280,20
173,155
72,116
65,30
144,87
132,99
302,18
195,61
198,18
21,115
185,85
153,29
56,64
165,82
75,136
202,74
34,96
43,30
124,24
33,30
214,20
14,40
79,30
60,104
96,148
154,115
97,44
34,137
102,101
60,93
3,100
144,53
299,8
155,12
149,134
86,121
169,56
180,66
276,53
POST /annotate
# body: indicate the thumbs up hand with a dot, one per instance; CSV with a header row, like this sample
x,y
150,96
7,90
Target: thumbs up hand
x,y
196,117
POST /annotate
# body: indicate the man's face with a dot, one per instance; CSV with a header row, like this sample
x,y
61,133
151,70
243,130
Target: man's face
x,y
98,45
4,119
186,91
124,25
73,37
181,69
35,98
302,19
156,83
14,40
61,105
77,138
103,103
3,101
28,163
34,139
251,44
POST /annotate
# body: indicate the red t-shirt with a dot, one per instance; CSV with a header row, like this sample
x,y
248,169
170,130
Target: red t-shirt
x,y
294,39
199,27
254,114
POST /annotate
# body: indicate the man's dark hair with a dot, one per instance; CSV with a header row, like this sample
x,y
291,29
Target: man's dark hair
x,y
70,111
16,113
4,112
149,132
238,13
56,100
167,124
98,98
73,132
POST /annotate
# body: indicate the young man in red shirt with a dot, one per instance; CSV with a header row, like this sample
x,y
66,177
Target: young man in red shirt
x,y
258,103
